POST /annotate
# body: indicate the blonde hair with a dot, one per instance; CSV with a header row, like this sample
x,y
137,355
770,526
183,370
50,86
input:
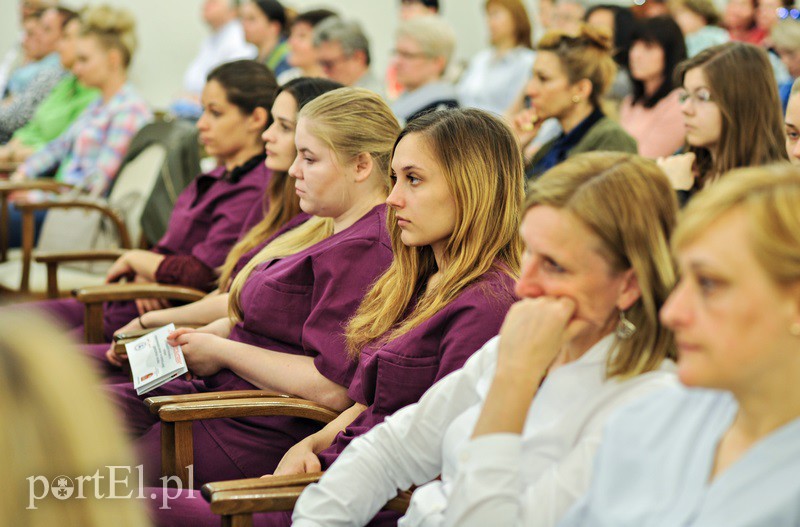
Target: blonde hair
x,y
486,179
586,55
786,34
770,198
349,121
628,203
49,436
114,28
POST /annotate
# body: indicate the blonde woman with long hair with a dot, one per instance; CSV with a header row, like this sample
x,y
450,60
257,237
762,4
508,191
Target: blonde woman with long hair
x,y
513,433
453,217
284,332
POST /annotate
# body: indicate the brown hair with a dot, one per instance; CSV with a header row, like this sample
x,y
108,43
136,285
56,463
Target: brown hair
x,y
586,55
742,85
522,22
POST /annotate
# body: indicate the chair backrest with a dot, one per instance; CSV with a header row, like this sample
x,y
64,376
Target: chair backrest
x,y
81,229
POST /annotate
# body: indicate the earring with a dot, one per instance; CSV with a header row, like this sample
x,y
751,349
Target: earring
x,y
576,99
626,328
794,329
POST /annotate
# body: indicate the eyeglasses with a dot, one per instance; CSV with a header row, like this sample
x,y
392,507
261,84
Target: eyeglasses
x,y
784,13
407,55
328,65
699,96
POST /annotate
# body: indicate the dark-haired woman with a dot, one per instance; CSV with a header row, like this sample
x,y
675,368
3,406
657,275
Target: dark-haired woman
x,y
209,214
652,114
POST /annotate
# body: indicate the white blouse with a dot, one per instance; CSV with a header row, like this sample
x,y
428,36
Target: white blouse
x,y
499,479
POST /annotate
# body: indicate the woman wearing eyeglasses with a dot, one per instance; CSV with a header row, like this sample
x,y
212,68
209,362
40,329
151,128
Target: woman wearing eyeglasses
x,y
732,116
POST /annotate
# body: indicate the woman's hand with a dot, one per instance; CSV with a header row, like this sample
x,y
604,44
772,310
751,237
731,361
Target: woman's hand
x,y
532,336
526,125
300,459
201,350
678,169
221,327
121,267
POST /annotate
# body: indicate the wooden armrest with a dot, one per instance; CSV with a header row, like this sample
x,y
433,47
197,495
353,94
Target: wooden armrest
x,y
7,167
246,407
155,403
78,256
33,184
129,336
121,292
278,493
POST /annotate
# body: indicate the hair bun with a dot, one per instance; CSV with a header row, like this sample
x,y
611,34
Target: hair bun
x,y
108,19
598,37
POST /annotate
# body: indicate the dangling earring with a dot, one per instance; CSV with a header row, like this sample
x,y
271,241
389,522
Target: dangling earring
x,y
625,328
794,329
576,99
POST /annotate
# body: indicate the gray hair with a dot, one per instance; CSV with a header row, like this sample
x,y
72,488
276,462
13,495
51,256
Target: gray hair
x,y
435,36
347,33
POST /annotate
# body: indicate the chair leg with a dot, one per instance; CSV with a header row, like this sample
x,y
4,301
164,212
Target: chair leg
x,y
237,520
27,249
3,227
93,323
177,450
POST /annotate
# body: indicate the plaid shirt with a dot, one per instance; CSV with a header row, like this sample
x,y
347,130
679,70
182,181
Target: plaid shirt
x,y
90,152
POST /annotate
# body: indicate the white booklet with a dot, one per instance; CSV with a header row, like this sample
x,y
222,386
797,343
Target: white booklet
x,y
153,361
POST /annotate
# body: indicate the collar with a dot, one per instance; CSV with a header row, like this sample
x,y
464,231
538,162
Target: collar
x,y
238,171
569,140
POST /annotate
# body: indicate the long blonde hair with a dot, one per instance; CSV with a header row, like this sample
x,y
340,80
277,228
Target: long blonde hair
x,y
627,202
50,437
483,167
350,121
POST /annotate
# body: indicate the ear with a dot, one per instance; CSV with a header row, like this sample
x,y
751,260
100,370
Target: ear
x,y
441,65
792,295
258,119
629,292
583,89
363,167
360,56
115,59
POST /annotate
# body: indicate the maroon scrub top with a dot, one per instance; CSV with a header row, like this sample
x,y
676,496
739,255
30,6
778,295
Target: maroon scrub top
x,y
300,305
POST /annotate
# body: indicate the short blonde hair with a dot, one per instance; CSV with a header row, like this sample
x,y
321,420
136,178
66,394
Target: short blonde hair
x,y
628,203
770,198
47,434
114,28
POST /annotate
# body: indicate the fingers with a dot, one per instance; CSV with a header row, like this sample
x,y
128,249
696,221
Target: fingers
x,y
312,463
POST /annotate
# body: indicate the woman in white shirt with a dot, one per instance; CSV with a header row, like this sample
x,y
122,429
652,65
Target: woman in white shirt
x,y
725,448
513,434
496,76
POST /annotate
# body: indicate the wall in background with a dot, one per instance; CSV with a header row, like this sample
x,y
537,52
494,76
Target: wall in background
x,y
170,31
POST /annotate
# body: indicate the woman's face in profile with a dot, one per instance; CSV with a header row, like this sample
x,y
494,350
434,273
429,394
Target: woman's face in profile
x,y
731,321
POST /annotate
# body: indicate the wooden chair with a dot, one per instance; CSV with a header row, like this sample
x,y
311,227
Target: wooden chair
x,y
123,211
237,501
177,413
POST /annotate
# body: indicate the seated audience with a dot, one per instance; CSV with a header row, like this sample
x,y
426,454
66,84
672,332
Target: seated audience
x,y
423,48
620,22
16,55
724,448
652,115
224,44
59,109
513,433
302,56
343,54
570,76
699,22
89,153
39,51
285,330
567,16
409,9
453,222
265,25
17,108
729,123
210,213
495,76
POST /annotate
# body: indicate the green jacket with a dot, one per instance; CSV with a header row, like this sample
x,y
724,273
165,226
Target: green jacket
x,y
56,112
605,135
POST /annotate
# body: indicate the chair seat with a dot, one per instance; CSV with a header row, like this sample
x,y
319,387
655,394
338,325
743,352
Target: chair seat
x,y
69,278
